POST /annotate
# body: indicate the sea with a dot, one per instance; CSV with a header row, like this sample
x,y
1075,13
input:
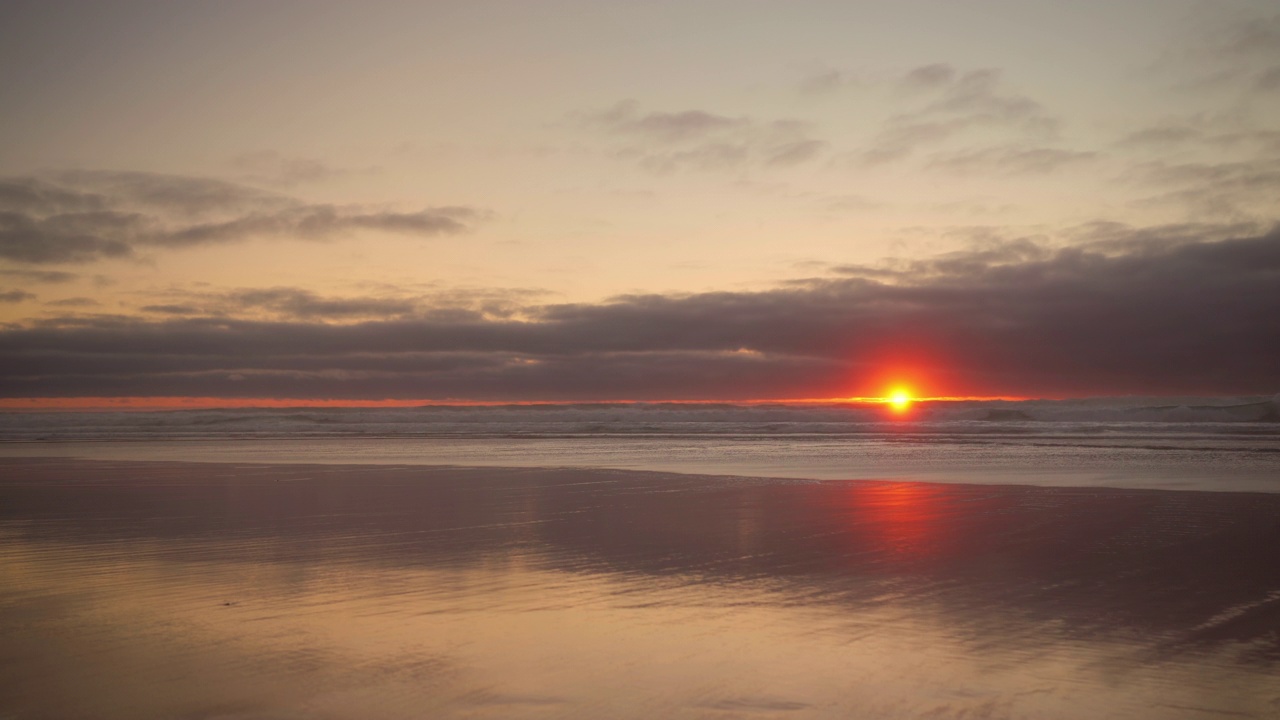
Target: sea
x,y
1223,443
959,560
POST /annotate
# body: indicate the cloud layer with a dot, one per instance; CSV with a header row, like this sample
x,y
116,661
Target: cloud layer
x,y
1165,310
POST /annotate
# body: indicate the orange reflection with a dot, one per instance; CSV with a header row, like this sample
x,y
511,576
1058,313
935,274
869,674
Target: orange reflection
x,y
899,517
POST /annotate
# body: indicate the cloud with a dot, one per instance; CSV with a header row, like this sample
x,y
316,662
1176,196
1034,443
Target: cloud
x,y
667,127
15,296
823,82
91,216
23,195
316,222
168,194
40,276
949,103
1171,310
929,76
1198,133
979,94
665,142
849,203
1249,188
1010,160
74,302
1161,137
794,153
271,168
902,137
289,303
67,238
1226,50
286,302
1268,80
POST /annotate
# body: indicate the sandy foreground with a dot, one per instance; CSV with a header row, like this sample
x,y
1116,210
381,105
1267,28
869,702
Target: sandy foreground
x,y
219,590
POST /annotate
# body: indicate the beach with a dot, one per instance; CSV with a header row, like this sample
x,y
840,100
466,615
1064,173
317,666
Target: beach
x,y
270,590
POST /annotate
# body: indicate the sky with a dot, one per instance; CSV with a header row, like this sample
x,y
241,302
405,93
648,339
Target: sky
x,y
700,200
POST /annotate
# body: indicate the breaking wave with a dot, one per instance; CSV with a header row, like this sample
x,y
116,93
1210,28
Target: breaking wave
x,y
1257,417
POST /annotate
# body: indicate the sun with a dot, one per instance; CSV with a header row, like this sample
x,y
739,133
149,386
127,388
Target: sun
x,y
899,399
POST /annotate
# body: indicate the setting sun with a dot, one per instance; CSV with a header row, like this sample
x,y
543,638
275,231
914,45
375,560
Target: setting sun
x,y
899,399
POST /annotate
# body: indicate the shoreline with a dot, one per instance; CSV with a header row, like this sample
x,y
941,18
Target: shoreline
x,y
1211,468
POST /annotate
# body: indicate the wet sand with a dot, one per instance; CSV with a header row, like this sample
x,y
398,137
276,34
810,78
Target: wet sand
x,y
206,590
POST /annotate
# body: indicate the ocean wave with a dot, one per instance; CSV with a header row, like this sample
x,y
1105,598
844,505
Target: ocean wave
x,y
1257,417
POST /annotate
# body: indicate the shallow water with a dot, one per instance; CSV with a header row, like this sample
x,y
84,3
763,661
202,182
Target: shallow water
x,y
1130,460
277,591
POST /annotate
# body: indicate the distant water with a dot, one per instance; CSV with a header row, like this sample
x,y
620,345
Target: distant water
x,y
1184,443
1244,417
509,562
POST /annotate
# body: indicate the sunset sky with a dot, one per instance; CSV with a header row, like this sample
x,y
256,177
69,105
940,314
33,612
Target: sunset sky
x,y
617,200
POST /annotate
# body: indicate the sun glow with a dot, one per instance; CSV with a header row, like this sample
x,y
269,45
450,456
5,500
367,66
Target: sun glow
x,y
899,400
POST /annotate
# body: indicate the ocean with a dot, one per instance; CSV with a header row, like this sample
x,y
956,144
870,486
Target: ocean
x,y
1061,560
1226,444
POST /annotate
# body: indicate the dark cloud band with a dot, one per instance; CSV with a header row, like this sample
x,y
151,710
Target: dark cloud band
x,y
1141,313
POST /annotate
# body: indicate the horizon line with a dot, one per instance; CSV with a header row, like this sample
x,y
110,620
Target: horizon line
x,y
144,403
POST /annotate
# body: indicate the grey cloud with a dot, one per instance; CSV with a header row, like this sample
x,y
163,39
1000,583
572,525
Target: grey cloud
x,y
176,194
1195,173
709,156
288,303
795,153
434,221
291,303
1216,189
973,207
988,253
1196,132
849,203
135,210
1161,136
15,296
172,309
929,76
683,125
55,240
664,142
1252,37
74,302
316,222
1235,52
491,302
1021,317
31,195
1115,238
41,276
903,136
303,304
272,168
664,126
822,83
954,103
1268,80
1010,160
979,94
